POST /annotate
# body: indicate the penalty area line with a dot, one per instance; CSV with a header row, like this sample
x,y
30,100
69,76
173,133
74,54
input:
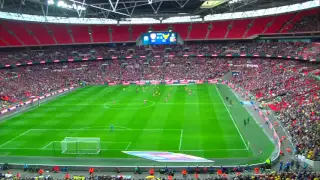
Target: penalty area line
x,y
199,150
6,154
180,143
47,145
15,138
128,146
244,142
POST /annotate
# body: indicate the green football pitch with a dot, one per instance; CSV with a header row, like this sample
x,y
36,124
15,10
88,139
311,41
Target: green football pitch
x,y
200,123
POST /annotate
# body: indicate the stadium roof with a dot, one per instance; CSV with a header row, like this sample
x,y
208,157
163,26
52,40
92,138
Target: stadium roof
x,y
119,9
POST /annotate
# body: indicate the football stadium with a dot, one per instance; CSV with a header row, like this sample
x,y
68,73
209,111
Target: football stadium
x,y
159,89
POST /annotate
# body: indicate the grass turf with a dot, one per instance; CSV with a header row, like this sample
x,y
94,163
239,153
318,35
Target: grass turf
x,y
201,124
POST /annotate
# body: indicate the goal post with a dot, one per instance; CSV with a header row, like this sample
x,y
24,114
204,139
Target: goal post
x,y
80,145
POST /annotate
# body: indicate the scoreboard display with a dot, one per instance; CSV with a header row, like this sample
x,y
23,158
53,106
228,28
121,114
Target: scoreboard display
x,y
157,38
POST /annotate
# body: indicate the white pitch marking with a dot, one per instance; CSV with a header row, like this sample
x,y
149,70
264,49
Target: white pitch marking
x,y
47,145
180,144
199,150
123,127
244,142
15,138
107,127
153,103
5,154
103,129
128,146
186,150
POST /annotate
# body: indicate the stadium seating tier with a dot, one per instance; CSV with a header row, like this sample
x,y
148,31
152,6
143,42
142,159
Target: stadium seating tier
x,y
41,32
61,33
2,43
198,31
181,29
219,29
80,33
278,22
137,30
10,39
120,33
18,33
100,33
160,27
238,28
19,29
258,26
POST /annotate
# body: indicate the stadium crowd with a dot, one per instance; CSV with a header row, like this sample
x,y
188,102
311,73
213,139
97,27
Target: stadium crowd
x,y
102,51
292,94
285,85
307,23
291,172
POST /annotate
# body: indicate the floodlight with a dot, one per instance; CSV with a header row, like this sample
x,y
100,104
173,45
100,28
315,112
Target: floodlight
x,y
234,1
50,2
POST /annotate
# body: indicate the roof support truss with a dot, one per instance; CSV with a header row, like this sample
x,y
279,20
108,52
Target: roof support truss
x,y
113,7
1,4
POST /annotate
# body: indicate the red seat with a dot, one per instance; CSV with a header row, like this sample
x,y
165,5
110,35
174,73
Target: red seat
x,y
258,26
219,29
7,37
120,34
181,29
297,18
100,33
278,23
160,27
80,33
199,31
137,30
41,33
238,28
2,43
60,32
21,32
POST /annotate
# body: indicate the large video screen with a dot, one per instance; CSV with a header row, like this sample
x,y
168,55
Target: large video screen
x,y
156,38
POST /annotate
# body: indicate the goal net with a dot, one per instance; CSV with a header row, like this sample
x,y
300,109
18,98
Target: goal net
x,y
80,145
